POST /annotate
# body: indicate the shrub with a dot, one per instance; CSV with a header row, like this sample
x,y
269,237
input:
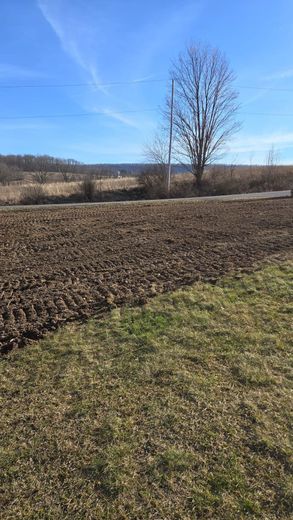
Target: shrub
x,y
33,194
153,181
88,189
5,174
181,188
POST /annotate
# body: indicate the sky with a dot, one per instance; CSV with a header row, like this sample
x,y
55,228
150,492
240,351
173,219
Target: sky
x,y
85,79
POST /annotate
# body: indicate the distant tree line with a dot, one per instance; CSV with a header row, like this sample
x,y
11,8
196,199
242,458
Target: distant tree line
x,y
15,167
30,163
39,167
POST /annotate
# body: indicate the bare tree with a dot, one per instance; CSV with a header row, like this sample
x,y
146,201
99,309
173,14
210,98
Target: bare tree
x,y
157,151
153,177
272,161
232,166
204,109
63,168
41,167
9,174
4,174
251,155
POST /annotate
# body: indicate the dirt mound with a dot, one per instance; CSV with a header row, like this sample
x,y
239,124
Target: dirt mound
x,y
69,263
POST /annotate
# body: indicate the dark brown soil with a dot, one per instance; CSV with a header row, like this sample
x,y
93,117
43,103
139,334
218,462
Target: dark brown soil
x,y
69,263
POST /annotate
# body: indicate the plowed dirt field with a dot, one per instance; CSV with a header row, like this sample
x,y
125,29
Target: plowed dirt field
x,y
64,264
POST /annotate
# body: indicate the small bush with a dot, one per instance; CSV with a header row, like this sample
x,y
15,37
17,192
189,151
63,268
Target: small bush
x,y
4,174
183,188
33,194
8,174
88,189
218,181
153,180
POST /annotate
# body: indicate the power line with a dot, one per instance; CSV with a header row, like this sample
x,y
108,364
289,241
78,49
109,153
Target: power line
x,y
107,114
129,82
273,89
81,114
265,114
97,85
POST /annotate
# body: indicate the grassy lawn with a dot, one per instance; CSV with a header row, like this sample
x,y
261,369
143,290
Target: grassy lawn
x,y
176,410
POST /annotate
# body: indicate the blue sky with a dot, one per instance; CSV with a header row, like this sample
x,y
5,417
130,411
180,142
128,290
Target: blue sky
x,y
53,42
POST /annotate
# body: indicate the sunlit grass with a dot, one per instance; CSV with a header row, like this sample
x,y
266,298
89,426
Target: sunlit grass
x,y
12,193
179,409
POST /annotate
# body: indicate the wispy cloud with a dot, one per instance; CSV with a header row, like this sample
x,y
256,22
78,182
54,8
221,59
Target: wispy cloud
x,y
120,117
261,143
255,97
145,78
281,74
72,34
161,33
10,71
13,125
78,38
88,33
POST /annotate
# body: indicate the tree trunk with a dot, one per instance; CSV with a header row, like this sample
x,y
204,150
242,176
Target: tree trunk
x,y
198,173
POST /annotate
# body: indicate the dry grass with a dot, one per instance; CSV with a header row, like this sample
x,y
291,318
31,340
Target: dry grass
x,y
12,193
176,410
223,180
219,180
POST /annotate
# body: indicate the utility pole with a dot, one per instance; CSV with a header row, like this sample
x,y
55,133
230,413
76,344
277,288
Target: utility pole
x,y
171,137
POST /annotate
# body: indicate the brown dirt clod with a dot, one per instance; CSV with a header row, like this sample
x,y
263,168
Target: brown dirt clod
x,y
65,264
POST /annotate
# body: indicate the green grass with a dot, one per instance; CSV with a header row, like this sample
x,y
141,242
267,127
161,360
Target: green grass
x,y
176,410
